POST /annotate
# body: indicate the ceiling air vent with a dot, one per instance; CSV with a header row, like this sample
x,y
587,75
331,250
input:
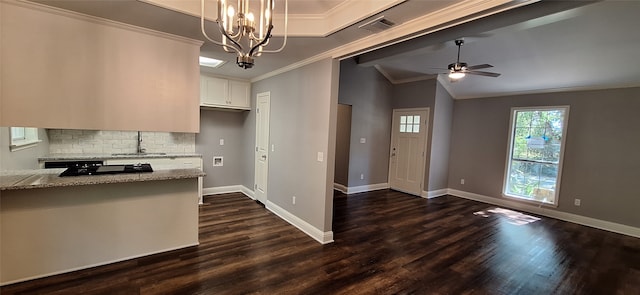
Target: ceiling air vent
x,y
378,24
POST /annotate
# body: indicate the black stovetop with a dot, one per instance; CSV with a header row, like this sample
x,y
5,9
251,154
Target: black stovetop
x,y
106,169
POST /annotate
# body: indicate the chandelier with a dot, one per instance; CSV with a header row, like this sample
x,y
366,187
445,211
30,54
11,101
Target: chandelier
x,y
242,32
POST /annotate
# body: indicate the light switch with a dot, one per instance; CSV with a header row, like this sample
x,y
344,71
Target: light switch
x,y
221,141
363,140
273,147
320,156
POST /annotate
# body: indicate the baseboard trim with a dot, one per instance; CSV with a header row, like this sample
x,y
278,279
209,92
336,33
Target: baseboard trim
x,y
339,187
367,188
228,189
435,194
247,192
570,217
310,230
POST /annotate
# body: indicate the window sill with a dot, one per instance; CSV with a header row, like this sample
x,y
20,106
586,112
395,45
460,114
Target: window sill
x,y
23,145
530,201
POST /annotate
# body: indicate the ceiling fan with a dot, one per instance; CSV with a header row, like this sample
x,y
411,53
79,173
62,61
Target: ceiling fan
x,y
458,70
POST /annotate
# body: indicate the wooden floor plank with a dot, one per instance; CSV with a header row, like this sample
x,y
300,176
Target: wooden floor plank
x,y
386,242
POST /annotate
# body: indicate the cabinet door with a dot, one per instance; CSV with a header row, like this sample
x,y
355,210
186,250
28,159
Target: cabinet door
x,y
214,91
239,94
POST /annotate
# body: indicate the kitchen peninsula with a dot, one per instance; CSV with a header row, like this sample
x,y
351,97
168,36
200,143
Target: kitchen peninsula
x,y
52,224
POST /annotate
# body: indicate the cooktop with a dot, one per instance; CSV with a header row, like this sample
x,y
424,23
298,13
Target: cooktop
x,y
106,169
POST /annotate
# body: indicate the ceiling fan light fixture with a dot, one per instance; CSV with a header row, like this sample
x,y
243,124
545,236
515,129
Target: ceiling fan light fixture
x,y
456,75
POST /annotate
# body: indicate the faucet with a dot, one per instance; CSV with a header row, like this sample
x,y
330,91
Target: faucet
x,y
141,150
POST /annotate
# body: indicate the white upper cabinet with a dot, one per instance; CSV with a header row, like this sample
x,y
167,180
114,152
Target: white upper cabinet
x,y
223,93
213,91
239,94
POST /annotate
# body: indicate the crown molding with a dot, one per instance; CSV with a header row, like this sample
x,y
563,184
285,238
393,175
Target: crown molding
x,y
549,90
402,81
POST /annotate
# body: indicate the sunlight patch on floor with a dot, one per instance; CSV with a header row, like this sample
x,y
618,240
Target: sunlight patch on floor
x,y
513,217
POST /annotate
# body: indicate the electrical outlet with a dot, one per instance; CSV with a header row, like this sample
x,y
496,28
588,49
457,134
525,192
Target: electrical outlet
x,y
320,156
361,176
461,180
293,200
221,141
363,140
576,202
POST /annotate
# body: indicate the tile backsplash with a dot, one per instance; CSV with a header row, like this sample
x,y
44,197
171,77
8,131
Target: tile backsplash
x,y
66,141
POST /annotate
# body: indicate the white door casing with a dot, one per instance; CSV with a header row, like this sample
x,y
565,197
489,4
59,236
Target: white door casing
x,y
263,106
407,157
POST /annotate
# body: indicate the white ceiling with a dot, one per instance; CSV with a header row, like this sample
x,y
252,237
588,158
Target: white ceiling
x,y
592,46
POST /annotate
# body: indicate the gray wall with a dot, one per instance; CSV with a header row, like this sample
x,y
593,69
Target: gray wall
x,y
216,125
303,111
369,94
418,94
343,144
601,161
440,139
22,159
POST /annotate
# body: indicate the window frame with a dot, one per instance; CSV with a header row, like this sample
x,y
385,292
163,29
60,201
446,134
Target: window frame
x,y
510,143
30,139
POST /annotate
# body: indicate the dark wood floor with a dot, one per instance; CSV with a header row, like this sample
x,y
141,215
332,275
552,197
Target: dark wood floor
x,y
385,243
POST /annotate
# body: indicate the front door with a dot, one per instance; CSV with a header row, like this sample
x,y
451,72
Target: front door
x,y
408,148
262,146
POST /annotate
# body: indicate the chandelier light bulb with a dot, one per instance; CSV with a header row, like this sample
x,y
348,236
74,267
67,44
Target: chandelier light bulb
x,y
231,12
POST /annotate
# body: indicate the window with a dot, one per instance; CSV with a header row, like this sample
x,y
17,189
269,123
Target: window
x,y
536,147
410,124
23,137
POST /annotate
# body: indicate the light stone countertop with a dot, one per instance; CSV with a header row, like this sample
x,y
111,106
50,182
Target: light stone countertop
x,y
72,157
47,178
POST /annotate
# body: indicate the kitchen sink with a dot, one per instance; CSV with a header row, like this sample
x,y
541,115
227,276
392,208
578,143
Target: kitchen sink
x,y
139,154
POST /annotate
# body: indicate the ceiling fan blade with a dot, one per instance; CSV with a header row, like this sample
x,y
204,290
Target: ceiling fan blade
x,y
481,73
478,67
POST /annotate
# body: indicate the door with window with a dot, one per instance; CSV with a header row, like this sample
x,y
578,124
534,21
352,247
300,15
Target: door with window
x,y
536,149
408,145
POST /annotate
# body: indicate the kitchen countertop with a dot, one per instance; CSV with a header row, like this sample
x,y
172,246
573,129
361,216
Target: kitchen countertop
x,y
47,178
63,157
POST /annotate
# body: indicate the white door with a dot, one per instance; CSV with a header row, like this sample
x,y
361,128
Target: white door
x,y
262,146
408,148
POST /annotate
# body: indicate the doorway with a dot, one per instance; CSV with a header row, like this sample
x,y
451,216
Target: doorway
x,y
408,150
263,108
343,147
